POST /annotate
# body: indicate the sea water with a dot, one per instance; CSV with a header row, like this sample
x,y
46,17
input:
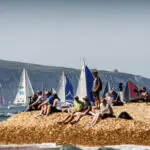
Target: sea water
x,y
5,113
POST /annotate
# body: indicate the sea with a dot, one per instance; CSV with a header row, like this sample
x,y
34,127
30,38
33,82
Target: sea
x,y
6,112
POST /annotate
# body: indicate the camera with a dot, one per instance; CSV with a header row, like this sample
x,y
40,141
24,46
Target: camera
x,y
30,97
120,86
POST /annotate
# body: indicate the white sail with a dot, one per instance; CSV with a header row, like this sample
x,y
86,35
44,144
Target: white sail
x,y
24,90
65,92
61,91
53,91
82,87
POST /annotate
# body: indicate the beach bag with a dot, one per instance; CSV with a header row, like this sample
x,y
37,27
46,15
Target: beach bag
x,y
125,115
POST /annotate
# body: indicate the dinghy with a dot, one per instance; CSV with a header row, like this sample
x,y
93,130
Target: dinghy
x,y
85,83
65,91
24,91
2,102
130,95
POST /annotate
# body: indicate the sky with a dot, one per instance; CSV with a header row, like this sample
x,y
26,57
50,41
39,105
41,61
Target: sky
x,y
108,34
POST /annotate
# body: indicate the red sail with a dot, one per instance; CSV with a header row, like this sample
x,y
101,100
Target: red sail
x,y
3,100
132,87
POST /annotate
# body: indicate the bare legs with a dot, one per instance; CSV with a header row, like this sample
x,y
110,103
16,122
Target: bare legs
x,y
48,110
95,119
68,118
97,103
77,119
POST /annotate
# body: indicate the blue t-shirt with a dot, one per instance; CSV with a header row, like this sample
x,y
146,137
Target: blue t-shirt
x,y
115,96
50,100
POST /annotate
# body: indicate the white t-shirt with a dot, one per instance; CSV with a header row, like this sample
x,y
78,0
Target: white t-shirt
x,y
40,99
109,100
104,109
58,105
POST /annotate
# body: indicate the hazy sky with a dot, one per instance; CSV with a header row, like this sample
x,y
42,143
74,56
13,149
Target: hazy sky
x,y
108,34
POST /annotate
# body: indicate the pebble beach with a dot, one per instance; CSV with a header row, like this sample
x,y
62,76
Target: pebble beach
x,y
24,128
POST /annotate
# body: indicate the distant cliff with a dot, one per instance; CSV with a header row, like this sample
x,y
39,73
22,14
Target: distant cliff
x,y
10,73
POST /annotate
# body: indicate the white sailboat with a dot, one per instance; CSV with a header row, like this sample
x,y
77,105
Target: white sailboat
x,y
24,90
65,91
85,83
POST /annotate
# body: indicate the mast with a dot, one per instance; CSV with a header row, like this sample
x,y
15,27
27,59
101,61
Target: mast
x,y
25,84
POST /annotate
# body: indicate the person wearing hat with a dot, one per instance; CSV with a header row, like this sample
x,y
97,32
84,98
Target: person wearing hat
x,y
97,87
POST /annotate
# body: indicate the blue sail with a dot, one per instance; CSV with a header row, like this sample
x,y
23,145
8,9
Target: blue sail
x,y
69,94
89,82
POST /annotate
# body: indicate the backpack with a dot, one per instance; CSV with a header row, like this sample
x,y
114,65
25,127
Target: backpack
x,y
125,115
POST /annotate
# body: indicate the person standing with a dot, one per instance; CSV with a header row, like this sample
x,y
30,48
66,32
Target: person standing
x,y
97,87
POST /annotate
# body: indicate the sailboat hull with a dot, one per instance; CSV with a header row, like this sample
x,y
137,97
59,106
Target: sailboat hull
x,y
16,108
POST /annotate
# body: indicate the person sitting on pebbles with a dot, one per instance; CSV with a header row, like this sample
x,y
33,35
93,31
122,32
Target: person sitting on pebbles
x,y
78,107
57,107
105,112
87,110
49,101
52,104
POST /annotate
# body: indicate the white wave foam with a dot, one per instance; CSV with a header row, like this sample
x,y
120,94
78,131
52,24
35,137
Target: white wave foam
x,y
119,147
40,146
130,147
6,114
53,145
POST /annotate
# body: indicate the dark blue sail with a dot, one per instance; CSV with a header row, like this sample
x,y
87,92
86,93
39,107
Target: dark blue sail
x,y
69,94
89,82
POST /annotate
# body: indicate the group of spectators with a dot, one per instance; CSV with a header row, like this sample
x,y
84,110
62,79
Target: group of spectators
x,y
142,94
50,103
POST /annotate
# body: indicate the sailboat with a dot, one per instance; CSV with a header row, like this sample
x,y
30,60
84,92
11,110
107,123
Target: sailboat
x,y
85,83
107,89
53,91
2,102
24,91
130,93
65,92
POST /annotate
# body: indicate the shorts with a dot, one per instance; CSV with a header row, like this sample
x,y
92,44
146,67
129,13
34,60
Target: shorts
x,y
96,94
54,109
108,116
90,113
